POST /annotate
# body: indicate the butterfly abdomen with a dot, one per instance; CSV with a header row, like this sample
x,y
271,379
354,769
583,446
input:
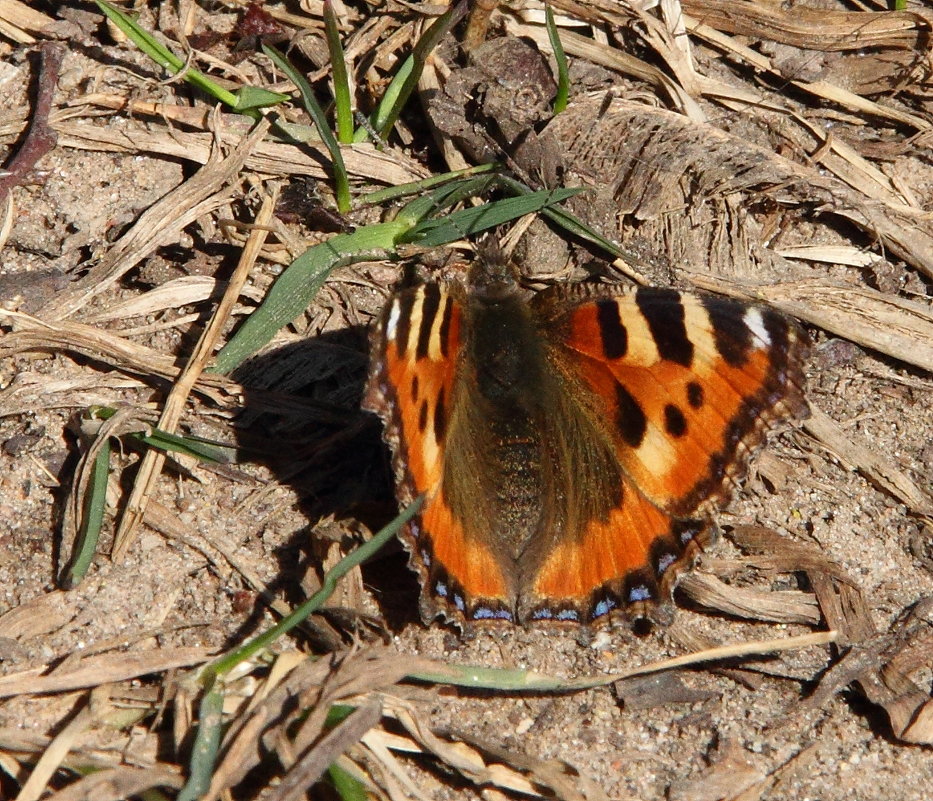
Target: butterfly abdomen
x,y
503,388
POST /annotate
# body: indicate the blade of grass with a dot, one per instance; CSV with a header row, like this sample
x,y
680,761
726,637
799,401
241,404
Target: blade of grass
x,y
348,787
205,746
206,450
202,449
458,191
338,63
296,287
246,101
563,76
467,222
92,520
160,54
386,104
255,97
564,219
341,180
437,200
337,714
418,187
485,678
406,79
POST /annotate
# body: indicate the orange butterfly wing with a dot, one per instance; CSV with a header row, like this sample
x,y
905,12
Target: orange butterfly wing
x,y
419,339
691,382
686,387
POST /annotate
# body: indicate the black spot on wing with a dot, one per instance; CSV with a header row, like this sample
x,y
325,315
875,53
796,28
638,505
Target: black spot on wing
x,y
613,333
695,394
423,416
631,418
432,302
445,324
414,389
675,423
664,313
440,417
733,338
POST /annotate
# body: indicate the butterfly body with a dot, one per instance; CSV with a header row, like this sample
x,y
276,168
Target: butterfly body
x,y
570,446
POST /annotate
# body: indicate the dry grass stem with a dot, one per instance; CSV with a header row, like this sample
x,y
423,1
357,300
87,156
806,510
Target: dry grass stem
x,y
22,23
97,670
151,465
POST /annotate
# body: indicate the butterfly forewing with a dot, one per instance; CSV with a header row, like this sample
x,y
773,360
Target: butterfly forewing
x,y
689,384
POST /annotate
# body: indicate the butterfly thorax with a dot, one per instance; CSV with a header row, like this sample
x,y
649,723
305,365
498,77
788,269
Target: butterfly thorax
x,y
505,352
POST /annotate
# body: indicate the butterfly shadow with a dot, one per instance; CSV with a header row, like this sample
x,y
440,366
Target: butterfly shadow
x,y
302,420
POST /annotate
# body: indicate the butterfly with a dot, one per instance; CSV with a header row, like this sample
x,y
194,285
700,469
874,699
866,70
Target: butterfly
x,y
571,446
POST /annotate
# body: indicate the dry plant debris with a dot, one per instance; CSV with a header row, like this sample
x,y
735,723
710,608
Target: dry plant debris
x,y
762,151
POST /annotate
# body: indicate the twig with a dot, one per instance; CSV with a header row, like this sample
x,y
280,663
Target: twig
x,y
41,137
152,462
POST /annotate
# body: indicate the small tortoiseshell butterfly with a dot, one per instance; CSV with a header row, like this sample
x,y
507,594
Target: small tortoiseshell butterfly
x,y
571,446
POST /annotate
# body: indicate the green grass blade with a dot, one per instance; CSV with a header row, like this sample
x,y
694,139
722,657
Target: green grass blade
x,y
202,449
523,680
316,601
387,104
296,287
251,98
206,450
341,181
144,40
485,678
338,63
563,75
576,227
564,219
406,79
449,194
206,745
348,787
338,713
92,519
166,59
467,222
391,193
